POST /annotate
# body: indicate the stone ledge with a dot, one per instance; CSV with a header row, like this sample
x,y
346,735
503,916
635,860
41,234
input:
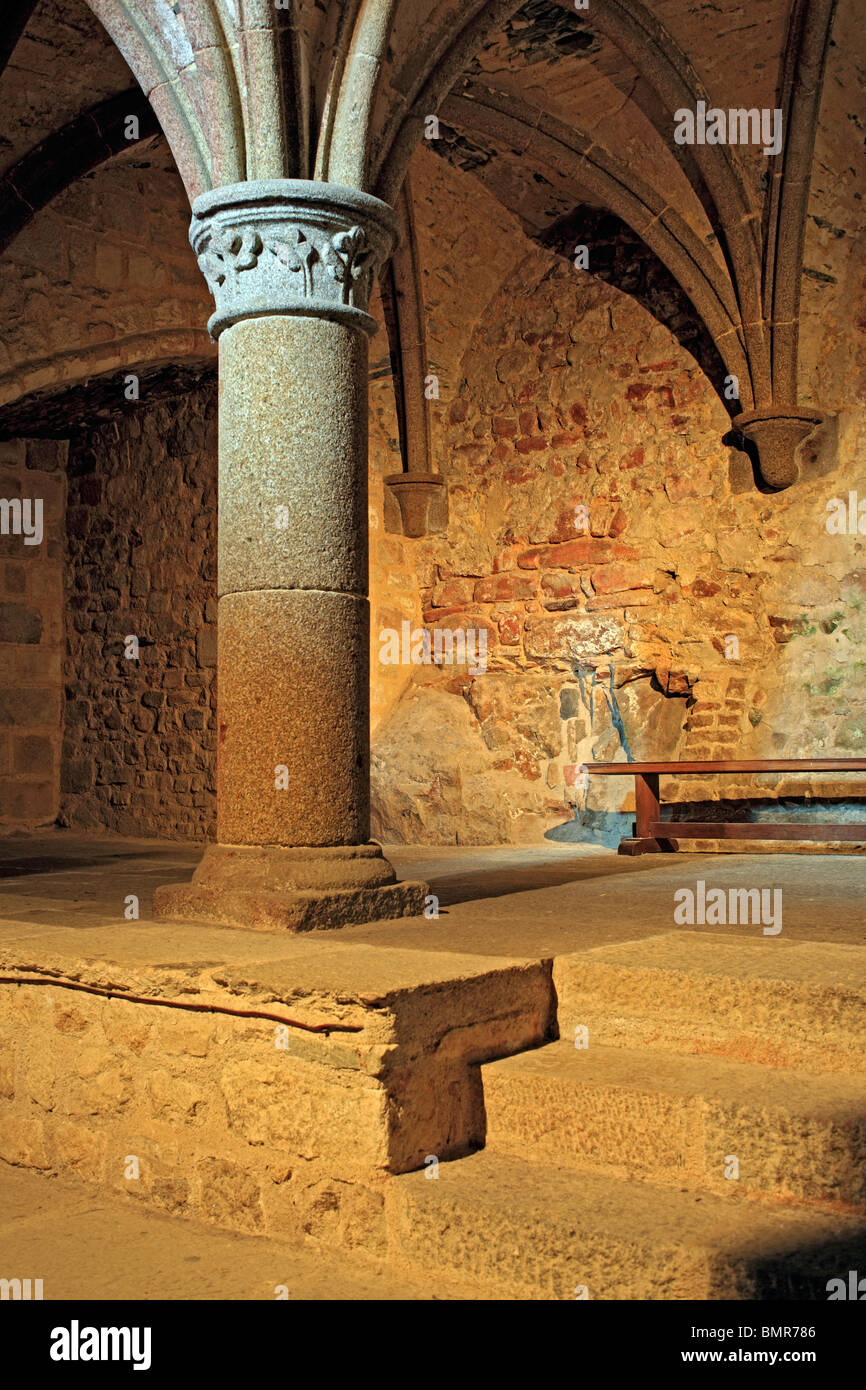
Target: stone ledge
x,y
228,1125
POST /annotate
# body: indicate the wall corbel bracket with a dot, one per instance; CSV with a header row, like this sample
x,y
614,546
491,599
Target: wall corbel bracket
x,y
776,432
416,504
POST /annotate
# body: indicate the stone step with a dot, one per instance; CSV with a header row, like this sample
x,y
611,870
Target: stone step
x,y
516,1229
677,1120
778,1003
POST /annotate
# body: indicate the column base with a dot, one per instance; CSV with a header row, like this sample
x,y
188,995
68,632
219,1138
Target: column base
x,y
279,888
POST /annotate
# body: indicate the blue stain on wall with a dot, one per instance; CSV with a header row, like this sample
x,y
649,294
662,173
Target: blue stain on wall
x,y
590,827
587,681
616,719
605,828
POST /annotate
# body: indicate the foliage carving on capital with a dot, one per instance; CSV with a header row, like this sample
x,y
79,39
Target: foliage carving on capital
x,y
349,258
297,254
291,247
228,251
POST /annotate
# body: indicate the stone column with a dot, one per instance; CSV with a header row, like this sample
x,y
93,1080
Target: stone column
x,y
291,265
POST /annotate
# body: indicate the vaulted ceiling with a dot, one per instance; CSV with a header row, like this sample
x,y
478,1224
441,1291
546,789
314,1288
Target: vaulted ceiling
x,y
560,111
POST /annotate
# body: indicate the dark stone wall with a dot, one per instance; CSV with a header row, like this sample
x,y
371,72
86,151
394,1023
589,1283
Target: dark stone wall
x,y
139,745
31,634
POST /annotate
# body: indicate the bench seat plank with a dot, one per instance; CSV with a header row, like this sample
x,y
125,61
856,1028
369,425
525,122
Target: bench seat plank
x,y
735,765
652,835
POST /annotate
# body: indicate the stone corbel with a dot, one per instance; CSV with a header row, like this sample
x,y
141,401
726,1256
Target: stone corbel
x,y
776,432
416,504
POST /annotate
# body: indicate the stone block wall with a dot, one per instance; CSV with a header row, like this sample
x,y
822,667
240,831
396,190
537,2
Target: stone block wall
x,y
234,1121
833,290
394,592
139,745
139,749
194,1115
31,636
103,279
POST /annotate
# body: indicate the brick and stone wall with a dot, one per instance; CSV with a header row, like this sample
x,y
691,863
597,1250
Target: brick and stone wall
x,y
31,636
641,597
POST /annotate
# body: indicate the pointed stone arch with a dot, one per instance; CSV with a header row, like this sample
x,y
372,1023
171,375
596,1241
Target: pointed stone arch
x,y
68,154
223,81
642,207
762,254
12,25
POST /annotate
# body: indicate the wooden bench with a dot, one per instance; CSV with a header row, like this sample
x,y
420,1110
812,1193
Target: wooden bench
x,y
653,835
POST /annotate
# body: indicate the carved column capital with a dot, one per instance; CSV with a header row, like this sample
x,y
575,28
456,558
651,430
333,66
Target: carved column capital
x,y
291,246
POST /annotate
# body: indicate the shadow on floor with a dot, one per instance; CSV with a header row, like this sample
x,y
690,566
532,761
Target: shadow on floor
x,y
506,880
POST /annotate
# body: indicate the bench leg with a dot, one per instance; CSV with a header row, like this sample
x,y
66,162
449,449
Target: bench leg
x,y
646,807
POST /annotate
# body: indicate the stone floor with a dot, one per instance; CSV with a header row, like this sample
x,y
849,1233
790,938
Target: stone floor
x,y
62,896
537,901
